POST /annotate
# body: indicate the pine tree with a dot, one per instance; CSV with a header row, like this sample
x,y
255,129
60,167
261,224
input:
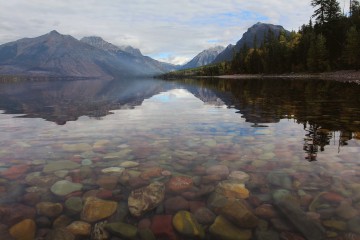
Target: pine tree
x,y
352,48
317,60
319,13
327,10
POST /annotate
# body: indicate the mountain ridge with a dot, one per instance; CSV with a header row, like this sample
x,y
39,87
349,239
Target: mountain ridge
x,y
205,57
258,30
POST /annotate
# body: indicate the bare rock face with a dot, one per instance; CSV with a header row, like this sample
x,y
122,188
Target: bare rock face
x,y
146,198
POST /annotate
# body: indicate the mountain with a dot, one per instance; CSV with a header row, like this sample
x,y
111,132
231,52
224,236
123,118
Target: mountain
x,y
156,66
204,58
259,30
54,54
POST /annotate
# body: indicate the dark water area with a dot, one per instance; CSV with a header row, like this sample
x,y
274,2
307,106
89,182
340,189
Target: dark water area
x,y
187,159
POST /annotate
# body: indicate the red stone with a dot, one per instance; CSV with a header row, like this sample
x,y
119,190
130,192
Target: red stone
x,y
333,197
266,211
137,182
12,214
179,184
151,173
15,172
104,194
144,223
162,227
32,198
195,205
175,204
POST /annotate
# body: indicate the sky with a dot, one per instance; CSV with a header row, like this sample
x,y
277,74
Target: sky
x,y
168,30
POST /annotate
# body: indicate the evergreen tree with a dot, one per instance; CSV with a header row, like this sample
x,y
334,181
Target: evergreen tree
x,y
327,10
352,48
317,60
319,13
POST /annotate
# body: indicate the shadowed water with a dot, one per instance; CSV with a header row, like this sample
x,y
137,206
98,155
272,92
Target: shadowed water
x,y
285,150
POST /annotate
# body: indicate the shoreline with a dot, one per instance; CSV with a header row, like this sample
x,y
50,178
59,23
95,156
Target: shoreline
x,y
340,76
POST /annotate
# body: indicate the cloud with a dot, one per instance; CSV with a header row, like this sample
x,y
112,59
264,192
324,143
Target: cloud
x,y
180,28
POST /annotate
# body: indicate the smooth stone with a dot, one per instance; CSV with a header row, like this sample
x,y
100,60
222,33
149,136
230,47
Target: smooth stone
x,y
65,187
73,205
239,176
162,227
221,170
232,189
266,211
49,209
346,211
129,164
24,230
118,170
43,222
86,162
61,173
186,224
146,234
60,165
238,212
175,204
353,225
96,209
122,230
108,182
178,184
280,179
204,216
334,224
79,228
310,228
121,213
60,234
14,213
79,147
15,172
146,198
225,230
61,221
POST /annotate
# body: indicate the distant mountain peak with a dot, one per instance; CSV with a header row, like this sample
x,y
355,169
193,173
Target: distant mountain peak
x,y
54,32
204,58
259,30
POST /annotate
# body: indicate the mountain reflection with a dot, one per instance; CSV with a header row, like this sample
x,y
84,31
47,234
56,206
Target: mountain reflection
x,y
323,107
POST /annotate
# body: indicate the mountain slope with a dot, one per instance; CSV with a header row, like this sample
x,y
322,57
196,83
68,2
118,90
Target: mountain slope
x,y
204,58
155,66
54,54
259,30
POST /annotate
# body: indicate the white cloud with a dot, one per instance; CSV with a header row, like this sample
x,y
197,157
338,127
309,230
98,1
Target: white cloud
x,y
182,28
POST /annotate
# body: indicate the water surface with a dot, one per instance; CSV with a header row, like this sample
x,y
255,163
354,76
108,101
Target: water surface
x,y
296,138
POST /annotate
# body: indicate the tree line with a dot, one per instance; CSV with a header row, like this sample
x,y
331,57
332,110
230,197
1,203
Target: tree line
x,y
330,42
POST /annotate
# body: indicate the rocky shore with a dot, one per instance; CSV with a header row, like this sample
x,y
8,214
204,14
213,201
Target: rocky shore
x,y
100,195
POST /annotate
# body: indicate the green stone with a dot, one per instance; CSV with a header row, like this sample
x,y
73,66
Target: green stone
x,y
186,224
225,230
120,229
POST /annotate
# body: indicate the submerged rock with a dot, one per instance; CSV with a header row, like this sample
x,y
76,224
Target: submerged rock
x,y
60,234
49,209
186,224
225,230
64,187
60,165
232,189
146,198
79,228
310,228
96,209
24,230
120,229
179,184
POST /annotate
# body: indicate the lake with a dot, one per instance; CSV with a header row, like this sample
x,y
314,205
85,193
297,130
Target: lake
x,y
185,159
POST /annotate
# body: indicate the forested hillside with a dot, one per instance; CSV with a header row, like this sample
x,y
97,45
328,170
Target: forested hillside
x,y
330,41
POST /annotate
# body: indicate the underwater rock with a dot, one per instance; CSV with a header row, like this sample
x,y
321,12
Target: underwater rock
x,y
96,209
186,224
145,199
